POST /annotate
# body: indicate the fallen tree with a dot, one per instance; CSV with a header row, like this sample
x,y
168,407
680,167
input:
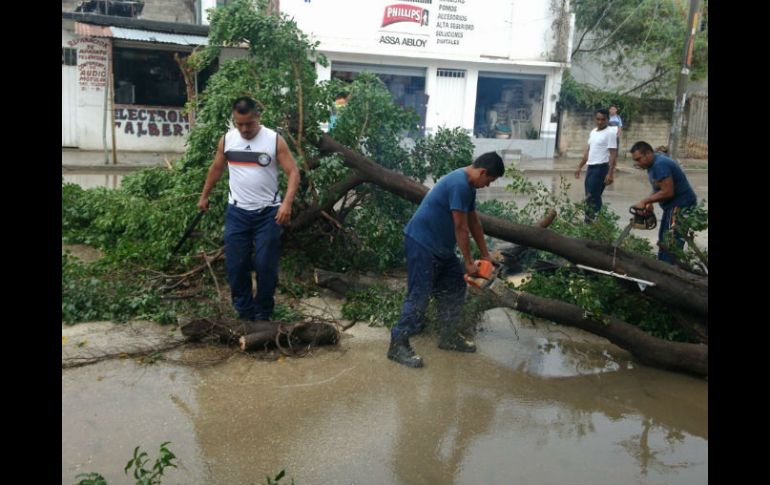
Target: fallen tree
x,y
673,286
361,203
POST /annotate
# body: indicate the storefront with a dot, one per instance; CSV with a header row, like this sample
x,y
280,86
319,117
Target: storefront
x,y
497,76
122,85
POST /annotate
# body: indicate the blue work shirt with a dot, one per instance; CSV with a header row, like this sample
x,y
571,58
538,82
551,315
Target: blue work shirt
x,y
663,167
432,225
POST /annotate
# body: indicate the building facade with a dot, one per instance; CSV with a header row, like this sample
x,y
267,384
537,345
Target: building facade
x,y
492,67
122,84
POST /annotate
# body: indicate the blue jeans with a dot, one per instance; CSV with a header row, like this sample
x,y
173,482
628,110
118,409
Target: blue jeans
x,y
429,275
668,222
252,240
594,185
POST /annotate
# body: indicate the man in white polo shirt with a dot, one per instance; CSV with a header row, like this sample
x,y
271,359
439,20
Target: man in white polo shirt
x,y
601,156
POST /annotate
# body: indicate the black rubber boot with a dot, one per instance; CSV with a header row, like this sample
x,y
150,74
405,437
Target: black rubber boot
x,y
402,352
455,341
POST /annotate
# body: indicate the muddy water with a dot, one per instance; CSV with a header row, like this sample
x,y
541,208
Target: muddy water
x,y
538,404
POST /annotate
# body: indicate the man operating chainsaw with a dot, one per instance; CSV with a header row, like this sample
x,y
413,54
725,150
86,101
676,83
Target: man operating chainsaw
x,y
670,189
446,216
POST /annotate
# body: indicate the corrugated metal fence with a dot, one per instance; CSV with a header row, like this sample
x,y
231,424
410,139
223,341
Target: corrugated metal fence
x,y
695,143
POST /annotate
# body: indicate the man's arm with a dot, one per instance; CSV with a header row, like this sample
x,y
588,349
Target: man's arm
x,y
613,161
477,231
666,192
289,166
582,162
215,173
460,220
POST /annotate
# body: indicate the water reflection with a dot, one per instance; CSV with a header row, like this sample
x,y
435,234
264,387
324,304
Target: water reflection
x,y
349,415
109,180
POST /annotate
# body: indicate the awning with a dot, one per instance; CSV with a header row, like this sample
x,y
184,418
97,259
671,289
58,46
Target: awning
x,y
89,30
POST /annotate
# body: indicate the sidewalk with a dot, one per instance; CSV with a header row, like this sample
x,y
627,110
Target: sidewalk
x,y
74,159
570,164
83,160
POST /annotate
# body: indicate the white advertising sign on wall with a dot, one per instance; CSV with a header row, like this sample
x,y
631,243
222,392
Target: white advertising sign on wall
x,y
448,28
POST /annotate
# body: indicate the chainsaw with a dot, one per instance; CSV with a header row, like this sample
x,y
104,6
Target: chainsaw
x,y
486,276
642,219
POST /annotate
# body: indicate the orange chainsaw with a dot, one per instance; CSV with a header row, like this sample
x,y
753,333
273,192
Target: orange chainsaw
x,y
487,274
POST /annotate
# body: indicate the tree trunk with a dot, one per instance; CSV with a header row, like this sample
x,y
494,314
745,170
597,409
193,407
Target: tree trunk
x,y
188,74
339,283
653,351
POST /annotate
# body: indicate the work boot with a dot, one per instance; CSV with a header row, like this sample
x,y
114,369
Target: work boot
x,y
402,352
455,341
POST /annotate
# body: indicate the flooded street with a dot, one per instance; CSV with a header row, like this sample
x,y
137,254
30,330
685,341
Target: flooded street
x,y
537,404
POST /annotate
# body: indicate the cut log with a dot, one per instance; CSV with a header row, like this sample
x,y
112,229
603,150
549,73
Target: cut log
x,y
291,335
263,339
262,334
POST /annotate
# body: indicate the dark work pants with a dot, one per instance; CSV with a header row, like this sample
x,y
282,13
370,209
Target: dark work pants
x,y
429,275
668,223
594,185
252,240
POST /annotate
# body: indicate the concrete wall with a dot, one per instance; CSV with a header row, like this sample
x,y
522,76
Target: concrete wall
x,y
522,149
69,5
182,11
652,125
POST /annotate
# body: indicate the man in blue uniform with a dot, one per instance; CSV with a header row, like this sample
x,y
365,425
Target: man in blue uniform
x,y
446,216
670,189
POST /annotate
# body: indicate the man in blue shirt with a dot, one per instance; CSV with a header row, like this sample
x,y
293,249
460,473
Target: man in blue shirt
x,y
670,189
445,217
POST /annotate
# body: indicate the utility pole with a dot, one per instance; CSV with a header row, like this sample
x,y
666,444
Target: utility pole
x,y
684,75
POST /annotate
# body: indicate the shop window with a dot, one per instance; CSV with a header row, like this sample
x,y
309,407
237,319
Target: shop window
x,y
406,85
69,57
509,106
152,77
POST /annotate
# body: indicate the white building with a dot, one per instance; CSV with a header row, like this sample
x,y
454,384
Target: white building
x,y
492,67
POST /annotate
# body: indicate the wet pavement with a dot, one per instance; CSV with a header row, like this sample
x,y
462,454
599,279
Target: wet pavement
x,y
537,404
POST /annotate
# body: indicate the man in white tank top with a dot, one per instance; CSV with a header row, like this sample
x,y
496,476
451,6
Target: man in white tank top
x,y
255,211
